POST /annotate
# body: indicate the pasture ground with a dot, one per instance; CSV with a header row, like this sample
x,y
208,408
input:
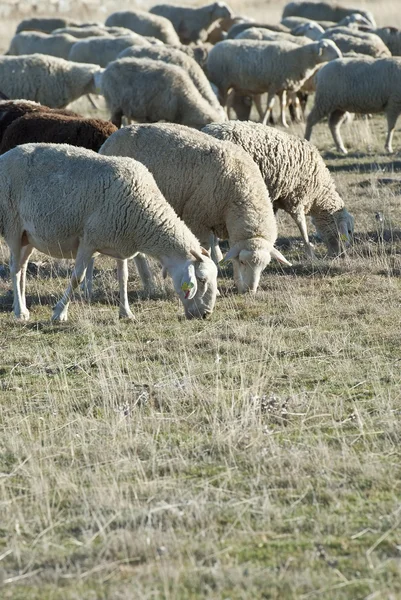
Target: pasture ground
x,y
252,455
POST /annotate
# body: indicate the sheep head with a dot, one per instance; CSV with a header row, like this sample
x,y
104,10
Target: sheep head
x,y
249,260
336,232
327,50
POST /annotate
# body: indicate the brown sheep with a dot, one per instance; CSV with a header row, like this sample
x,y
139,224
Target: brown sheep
x,y
57,129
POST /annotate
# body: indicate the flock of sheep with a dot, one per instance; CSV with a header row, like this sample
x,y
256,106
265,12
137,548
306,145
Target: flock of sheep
x,y
77,187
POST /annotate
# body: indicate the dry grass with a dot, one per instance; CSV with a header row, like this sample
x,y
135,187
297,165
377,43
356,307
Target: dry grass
x,y
254,455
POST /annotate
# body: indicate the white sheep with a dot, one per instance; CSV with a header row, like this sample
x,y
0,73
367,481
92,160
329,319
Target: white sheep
x,y
151,90
358,85
296,177
254,67
349,40
266,35
323,11
175,56
71,202
46,24
93,31
103,50
47,79
391,36
145,24
192,23
36,42
215,187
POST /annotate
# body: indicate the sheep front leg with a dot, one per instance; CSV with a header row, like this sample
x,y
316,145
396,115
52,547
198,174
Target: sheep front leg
x,y
270,104
392,117
283,103
122,273
300,220
18,265
336,118
314,117
82,260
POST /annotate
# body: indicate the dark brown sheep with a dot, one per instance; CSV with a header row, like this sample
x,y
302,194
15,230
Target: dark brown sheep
x,y
56,129
14,109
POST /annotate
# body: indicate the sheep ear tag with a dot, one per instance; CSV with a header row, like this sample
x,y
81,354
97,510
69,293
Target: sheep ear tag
x,y
186,288
188,282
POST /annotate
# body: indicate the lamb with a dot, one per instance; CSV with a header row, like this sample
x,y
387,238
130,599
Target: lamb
x,y
323,11
151,90
45,24
254,67
49,80
359,85
214,187
177,57
103,50
10,110
296,177
36,42
145,24
114,207
361,43
192,24
58,129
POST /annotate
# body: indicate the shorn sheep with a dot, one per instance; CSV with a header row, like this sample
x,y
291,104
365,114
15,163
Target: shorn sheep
x,y
114,208
152,90
253,67
214,187
297,179
175,56
10,110
358,85
192,24
47,79
323,11
57,129
145,24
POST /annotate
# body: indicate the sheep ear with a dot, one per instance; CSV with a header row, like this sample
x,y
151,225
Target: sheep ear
x,y
205,252
199,256
189,285
278,256
164,272
232,253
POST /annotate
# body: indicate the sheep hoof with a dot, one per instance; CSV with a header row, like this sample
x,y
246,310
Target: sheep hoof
x,y
22,316
126,316
343,151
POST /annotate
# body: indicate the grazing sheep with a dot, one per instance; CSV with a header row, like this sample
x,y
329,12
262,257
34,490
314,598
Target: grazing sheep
x,y
10,110
103,50
57,129
49,80
114,207
45,24
358,85
93,31
175,56
238,28
362,43
254,67
265,35
296,177
199,52
151,90
192,24
323,11
145,24
214,187
36,42
391,36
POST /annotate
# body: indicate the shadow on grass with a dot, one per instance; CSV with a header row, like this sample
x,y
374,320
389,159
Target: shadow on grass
x,y
350,164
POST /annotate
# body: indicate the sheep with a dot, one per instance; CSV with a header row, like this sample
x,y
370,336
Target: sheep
x,y
47,79
359,85
103,50
253,67
93,31
296,177
176,57
310,30
145,24
218,31
214,187
152,90
45,24
36,42
257,33
199,52
391,36
58,129
366,43
192,24
323,11
114,207
238,28
10,110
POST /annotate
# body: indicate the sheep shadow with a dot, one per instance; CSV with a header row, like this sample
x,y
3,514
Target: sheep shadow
x,y
359,167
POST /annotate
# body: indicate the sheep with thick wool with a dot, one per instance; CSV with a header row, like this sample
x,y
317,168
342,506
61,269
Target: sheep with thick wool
x,y
175,56
215,187
37,42
103,50
296,177
151,90
391,36
192,23
254,67
10,110
49,80
323,11
93,31
145,24
357,85
71,202
360,42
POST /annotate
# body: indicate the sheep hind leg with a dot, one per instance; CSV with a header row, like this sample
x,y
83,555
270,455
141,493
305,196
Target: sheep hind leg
x,y
313,118
300,220
116,118
391,121
336,118
269,108
283,104
18,264
122,272
84,255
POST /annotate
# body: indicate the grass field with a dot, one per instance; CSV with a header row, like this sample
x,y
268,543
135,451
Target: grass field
x,y
253,455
